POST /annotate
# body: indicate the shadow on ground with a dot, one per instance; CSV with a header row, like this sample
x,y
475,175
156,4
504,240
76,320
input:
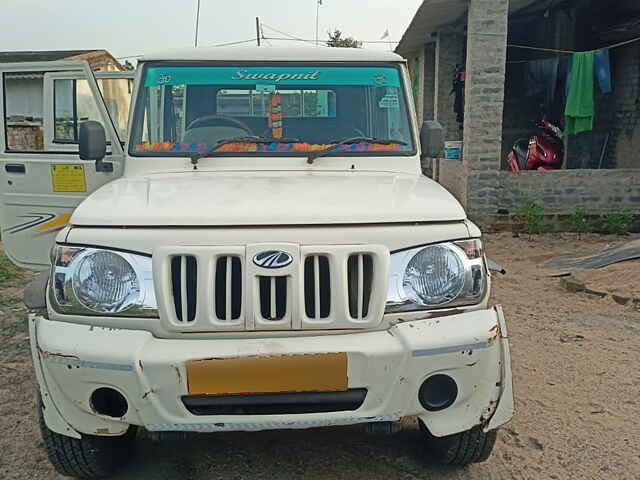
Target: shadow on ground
x,y
336,453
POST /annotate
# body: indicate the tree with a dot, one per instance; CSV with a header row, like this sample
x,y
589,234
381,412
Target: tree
x,y
336,40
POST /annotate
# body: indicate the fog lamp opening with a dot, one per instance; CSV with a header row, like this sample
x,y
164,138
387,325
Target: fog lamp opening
x,y
438,392
109,402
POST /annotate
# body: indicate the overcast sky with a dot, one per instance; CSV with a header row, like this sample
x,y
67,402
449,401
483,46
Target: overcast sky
x,y
131,27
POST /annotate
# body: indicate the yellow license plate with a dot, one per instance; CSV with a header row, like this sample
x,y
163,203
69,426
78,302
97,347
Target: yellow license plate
x,y
268,374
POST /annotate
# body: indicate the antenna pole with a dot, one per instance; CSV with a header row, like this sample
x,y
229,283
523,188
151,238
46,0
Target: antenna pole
x,y
258,30
317,16
195,42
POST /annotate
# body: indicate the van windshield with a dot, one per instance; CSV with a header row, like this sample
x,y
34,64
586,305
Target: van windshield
x,y
271,110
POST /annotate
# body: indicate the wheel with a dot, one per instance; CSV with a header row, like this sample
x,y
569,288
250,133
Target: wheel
x,y
471,446
88,457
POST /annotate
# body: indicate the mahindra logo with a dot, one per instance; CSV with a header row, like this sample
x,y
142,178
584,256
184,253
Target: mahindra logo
x,y
272,259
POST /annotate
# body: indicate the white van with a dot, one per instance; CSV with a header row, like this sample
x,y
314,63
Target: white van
x,y
261,252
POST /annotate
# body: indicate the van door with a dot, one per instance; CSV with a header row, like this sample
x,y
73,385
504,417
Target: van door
x,y
67,95
40,186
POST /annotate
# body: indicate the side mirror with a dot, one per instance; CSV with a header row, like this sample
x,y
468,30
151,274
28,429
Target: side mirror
x,y
93,144
432,139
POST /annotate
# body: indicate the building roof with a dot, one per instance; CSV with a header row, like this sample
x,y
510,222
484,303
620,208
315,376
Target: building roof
x,y
277,54
432,15
40,56
52,55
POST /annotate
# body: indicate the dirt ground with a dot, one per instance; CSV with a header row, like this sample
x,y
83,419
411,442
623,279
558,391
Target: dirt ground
x,y
576,374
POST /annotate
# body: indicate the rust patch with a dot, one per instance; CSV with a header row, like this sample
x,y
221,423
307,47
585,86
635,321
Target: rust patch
x,y
494,334
178,374
141,366
146,395
44,353
102,431
487,411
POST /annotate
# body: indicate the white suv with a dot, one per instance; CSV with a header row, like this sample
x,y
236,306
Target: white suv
x,y
270,257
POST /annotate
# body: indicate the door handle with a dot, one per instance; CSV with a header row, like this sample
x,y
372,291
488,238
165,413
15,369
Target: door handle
x,y
15,168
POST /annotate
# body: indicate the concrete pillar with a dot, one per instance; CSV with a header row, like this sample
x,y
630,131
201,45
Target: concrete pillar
x,y
421,91
428,103
416,72
486,62
449,52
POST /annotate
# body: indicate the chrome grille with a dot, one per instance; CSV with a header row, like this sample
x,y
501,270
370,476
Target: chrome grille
x,y
219,288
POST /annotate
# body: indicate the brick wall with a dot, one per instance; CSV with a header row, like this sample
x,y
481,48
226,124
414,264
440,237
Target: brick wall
x,y
625,131
560,192
480,183
452,175
429,93
486,60
449,52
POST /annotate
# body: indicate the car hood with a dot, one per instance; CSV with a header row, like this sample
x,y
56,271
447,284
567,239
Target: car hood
x,y
267,198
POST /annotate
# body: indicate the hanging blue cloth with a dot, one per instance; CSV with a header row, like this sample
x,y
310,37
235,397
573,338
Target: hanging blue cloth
x,y
602,65
542,80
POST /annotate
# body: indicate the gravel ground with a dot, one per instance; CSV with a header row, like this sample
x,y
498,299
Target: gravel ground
x,y
575,363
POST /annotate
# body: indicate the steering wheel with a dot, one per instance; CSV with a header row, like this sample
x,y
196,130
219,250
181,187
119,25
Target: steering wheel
x,y
223,118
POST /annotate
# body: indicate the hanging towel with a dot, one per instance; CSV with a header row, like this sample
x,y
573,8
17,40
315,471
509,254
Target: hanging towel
x,y
603,70
580,107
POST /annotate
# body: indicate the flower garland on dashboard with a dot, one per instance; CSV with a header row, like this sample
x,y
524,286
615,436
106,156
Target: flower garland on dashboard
x,y
240,147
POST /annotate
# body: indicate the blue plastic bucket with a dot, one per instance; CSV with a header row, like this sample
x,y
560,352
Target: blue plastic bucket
x,y
453,150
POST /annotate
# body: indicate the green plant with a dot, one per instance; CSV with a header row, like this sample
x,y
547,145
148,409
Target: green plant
x,y
617,222
8,271
531,216
579,222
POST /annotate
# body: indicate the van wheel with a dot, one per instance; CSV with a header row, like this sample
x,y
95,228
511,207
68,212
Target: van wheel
x,y
88,457
471,446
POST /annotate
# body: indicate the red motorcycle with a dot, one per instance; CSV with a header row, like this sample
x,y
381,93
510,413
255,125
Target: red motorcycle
x,y
541,152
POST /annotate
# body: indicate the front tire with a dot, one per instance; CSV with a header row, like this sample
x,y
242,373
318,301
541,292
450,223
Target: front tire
x,y
88,457
471,446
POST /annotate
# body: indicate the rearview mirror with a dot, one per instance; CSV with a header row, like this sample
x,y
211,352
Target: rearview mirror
x,y
432,139
93,144
93,141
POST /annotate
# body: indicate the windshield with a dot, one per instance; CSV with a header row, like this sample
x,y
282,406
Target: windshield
x,y
271,110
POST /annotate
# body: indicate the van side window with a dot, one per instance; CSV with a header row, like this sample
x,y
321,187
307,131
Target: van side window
x,y
74,104
23,111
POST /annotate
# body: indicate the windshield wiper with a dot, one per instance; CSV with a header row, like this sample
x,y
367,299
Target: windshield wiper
x,y
195,157
322,153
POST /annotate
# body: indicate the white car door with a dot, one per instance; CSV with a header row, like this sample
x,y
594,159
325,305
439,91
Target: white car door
x,y
40,186
67,95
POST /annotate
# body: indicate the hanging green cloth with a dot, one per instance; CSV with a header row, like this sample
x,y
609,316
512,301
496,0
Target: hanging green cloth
x,y
580,107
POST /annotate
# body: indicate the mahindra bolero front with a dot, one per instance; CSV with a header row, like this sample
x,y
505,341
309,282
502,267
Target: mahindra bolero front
x,y
271,259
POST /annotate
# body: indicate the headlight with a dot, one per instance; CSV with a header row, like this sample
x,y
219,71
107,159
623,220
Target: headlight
x,y
93,281
441,275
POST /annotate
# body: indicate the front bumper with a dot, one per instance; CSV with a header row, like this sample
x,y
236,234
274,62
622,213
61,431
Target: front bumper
x,y
73,360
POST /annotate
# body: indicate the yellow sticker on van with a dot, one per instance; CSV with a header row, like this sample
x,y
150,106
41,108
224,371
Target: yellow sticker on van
x,y
69,178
